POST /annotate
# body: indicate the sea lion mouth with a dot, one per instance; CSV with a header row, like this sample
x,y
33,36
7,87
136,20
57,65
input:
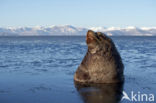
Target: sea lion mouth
x,y
93,41
92,37
96,37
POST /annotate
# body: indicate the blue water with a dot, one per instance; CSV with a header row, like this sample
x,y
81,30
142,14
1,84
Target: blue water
x,y
41,69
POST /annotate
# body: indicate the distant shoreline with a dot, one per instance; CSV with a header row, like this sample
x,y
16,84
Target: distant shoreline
x,y
69,30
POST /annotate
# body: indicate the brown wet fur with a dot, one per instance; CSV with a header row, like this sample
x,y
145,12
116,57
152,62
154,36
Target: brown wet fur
x,y
102,62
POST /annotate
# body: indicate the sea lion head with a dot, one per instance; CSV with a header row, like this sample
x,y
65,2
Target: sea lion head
x,y
97,41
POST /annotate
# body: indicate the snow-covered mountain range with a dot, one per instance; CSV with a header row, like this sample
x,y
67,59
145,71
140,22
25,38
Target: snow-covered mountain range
x,y
71,30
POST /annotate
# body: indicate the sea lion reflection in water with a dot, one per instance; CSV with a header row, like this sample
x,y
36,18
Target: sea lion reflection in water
x,y
100,93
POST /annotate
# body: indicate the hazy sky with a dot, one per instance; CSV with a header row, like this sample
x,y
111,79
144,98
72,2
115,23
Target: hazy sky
x,y
81,13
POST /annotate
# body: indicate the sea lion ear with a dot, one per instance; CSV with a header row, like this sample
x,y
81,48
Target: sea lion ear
x,y
90,36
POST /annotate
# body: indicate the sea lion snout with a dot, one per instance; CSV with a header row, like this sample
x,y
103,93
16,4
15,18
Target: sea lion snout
x,y
95,37
90,37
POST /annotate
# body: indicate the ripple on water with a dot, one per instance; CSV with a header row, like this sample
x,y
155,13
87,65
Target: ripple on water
x,y
43,67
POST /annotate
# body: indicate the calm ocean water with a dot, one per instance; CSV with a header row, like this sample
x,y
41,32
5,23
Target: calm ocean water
x,y
41,69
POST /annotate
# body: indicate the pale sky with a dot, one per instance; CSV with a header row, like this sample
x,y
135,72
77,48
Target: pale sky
x,y
81,13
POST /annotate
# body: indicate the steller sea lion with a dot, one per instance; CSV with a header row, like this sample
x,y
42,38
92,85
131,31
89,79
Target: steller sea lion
x,y
102,62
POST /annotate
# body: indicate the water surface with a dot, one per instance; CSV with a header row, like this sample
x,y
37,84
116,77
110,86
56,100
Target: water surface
x,y
41,69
